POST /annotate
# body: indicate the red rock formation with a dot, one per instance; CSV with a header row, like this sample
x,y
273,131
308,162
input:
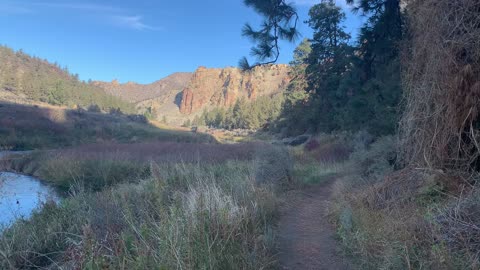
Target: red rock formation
x,y
222,87
187,100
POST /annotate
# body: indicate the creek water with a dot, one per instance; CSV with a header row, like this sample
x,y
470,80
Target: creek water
x,y
20,195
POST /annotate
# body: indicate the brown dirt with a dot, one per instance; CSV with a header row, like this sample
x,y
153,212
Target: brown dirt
x,y
306,237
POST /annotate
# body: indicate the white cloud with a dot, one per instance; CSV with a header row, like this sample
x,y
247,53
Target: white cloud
x,y
132,22
109,14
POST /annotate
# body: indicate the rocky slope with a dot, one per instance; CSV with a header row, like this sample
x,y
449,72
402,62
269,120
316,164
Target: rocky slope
x,y
222,87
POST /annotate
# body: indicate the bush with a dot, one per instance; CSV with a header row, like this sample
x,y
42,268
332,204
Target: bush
x,y
377,159
94,108
459,228
138,118
116,111
273,165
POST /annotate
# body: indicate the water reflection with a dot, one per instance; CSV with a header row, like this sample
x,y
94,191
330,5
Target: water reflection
x,y
20,195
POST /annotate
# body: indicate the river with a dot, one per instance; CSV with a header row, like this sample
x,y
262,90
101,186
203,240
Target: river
x,y
20,195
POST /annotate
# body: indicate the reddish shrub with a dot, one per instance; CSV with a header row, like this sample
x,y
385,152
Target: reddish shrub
x,y
312,145
331,152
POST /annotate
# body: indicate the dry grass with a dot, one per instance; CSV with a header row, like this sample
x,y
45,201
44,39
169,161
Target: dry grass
x,y
440,126
31,127
411,218
197,215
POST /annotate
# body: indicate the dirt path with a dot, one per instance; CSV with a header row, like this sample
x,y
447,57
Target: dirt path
x,y
306,237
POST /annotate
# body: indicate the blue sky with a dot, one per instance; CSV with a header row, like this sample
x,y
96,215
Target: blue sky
x,y
142,40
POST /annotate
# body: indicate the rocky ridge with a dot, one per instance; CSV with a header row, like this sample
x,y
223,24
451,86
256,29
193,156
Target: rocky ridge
x,y
180,96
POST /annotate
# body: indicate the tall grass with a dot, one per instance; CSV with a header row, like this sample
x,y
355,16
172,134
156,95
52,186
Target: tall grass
x,y
321,158
197,215
93,167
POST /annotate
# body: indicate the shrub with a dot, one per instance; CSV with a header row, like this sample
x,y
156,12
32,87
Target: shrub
x,y
94,108
138,118
376,159
312,144
460,228
273,165
116,111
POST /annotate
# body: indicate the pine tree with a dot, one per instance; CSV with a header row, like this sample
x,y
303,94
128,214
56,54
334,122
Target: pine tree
x,y
279,23
374,83
327,62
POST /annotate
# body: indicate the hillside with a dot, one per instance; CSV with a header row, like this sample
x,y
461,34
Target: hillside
x,y
26,79
135,92
181,96
25,127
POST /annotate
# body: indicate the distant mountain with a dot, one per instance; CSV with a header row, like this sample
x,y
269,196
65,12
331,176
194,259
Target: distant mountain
x,y
181,96
26,79
134,92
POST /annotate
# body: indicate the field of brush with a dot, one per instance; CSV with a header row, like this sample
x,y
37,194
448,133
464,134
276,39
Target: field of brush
x,y
137,196
29,127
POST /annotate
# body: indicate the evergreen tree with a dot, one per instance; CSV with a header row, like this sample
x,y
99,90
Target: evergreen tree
x,y
327,62
374,83
295,106
279,23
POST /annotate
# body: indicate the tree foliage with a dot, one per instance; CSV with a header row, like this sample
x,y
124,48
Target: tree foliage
x,y
256,114
279,23
348,86
295,115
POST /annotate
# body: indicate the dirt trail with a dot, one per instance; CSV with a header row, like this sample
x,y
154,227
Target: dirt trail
x,y
306,237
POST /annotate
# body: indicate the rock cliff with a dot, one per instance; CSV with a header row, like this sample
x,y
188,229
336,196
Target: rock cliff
x,y
181,95
222,87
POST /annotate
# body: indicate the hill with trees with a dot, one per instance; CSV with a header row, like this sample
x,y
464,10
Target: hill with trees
x,y
38,80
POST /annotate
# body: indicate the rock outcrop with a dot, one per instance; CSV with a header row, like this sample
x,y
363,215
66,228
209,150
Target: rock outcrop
x,y
222,87
180,96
